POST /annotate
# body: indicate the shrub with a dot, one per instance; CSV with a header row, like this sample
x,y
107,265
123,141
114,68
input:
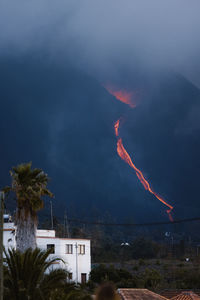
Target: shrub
x,y
104,273
141,262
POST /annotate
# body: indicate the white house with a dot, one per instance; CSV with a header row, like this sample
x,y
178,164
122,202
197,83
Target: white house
x,y
74,252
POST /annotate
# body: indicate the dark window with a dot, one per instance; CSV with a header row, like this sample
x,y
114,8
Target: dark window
x,y
83,277
81,249
52,247
70,276
69,249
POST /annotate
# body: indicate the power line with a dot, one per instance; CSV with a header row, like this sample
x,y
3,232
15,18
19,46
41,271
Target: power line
x,y
135,224
186,220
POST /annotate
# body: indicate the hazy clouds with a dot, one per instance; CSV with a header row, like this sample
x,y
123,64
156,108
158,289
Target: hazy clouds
x,y
66,113
101,36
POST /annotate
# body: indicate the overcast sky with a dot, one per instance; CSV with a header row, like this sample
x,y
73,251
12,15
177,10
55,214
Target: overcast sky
x,y
98,36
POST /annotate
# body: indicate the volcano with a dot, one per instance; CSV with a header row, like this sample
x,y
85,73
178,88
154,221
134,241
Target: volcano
x,y
63,121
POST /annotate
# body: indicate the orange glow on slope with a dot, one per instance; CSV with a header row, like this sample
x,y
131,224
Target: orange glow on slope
x,y
126,97
122,95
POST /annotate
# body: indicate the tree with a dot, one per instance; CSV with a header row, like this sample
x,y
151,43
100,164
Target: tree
x,y
29,185
152,278
26,276
144,248
71,291
104,273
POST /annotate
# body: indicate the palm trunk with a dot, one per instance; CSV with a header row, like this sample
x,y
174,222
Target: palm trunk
x,y
26,230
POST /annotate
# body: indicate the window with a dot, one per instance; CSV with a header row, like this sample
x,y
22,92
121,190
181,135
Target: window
x,y
81,249
70,276
83,277
52,247
69,249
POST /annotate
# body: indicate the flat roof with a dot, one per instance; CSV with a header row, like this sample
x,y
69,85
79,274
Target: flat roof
x,y
54,237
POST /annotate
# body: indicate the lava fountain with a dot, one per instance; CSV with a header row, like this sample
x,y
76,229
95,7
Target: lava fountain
x,y
126,97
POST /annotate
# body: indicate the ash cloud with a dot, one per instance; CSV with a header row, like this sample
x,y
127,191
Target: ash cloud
x,y
103,37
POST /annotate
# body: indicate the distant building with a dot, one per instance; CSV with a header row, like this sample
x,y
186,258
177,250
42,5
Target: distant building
x,y
74,252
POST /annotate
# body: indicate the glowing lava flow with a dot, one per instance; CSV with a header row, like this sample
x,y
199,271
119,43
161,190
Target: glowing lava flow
x,y
125,97
121,95
126,157
116,127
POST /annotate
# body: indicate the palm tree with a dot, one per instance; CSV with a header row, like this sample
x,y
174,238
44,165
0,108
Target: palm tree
x,y
27,275
29,185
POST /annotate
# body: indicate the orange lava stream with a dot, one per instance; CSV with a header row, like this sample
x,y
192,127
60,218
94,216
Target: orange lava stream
x,y
116,127
126,157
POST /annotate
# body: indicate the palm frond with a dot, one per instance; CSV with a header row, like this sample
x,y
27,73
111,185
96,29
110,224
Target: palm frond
x,y
27,275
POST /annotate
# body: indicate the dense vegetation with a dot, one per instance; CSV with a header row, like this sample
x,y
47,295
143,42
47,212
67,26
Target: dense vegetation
x,y
25,276
151,274
147,261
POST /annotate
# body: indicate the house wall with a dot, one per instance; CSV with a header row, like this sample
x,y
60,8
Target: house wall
x,y
78,264
9,235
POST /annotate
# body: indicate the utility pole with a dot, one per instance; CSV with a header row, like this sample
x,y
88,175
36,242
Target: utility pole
x,y
76,246
51,215
1,243
66,225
